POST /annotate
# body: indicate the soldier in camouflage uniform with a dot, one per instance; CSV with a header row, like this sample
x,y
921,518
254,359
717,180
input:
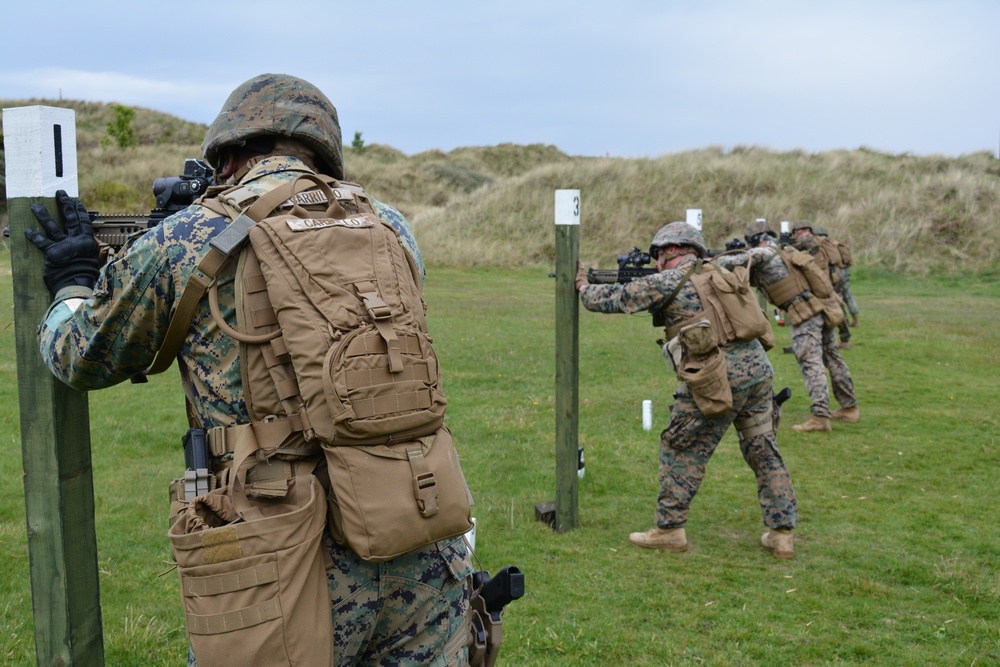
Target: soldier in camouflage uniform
x,y
106,325
689,440
843,287
814,344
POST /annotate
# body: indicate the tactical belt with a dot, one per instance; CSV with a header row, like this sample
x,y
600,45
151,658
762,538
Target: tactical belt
x,y
269,433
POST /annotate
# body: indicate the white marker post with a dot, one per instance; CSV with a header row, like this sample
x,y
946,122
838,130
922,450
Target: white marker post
x,y
694,218
647,415
567,357
40,156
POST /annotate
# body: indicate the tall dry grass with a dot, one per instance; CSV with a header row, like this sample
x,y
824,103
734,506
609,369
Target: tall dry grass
x,y
493,205
900,213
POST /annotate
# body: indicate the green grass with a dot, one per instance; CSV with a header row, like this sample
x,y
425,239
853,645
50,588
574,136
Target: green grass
x,y
895,552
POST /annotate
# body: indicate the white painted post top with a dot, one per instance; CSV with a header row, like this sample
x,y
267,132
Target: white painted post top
x,y
694,218
40,151
567,207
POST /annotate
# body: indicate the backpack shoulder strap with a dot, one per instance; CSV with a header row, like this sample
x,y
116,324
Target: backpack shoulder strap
x,y
223,246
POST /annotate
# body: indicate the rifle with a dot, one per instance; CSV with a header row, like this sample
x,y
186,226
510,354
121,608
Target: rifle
x,y
630,267
172,193
487,605
731,246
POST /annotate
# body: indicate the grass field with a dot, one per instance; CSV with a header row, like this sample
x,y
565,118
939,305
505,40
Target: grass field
x,y
895,552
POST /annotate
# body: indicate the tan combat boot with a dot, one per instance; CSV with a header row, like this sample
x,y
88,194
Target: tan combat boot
x,y
848,415
854,321
672,539
814,424
778,542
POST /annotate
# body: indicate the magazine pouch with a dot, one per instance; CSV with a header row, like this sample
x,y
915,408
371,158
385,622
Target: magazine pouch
x,y
833,312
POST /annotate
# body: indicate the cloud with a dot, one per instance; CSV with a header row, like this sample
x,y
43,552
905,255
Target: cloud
x,y
159,94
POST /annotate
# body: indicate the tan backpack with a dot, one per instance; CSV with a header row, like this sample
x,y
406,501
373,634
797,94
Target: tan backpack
x,y
728,305
845,253
335,354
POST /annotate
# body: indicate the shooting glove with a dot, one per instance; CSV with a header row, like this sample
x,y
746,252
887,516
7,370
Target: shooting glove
x,y
71,256
581,277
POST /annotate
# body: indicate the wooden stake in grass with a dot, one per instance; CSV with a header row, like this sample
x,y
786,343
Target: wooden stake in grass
x,y
40,154
567,357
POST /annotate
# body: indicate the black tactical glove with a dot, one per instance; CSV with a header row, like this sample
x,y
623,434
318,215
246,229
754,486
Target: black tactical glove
x,y
71,256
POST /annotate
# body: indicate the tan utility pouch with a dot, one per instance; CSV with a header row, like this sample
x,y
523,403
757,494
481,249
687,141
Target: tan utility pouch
x,y
708,380
387,500
802,309
698,339
253,577
833,312
705,370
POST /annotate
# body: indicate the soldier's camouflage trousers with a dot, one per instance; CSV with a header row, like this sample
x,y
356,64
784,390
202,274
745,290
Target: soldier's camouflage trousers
x,y
411,610
688,442
816,350
845,291
408,611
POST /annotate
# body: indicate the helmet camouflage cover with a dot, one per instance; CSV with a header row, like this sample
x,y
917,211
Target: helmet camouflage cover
x,y
678,233
802,224
278,105
820,230
760,227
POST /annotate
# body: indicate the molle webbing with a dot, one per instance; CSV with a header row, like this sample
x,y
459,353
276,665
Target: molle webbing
x,y
786,289
795,284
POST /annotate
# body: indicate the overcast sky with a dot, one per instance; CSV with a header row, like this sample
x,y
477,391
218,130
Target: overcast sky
x,y
626,78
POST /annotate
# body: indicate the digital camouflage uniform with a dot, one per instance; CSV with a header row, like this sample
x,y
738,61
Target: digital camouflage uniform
x,y
690,438
814,345
399,612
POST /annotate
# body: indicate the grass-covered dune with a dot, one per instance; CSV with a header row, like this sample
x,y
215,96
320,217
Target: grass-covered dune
x,y
493,205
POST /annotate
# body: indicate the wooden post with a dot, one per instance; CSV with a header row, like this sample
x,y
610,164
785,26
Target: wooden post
x,y
567,357
40,156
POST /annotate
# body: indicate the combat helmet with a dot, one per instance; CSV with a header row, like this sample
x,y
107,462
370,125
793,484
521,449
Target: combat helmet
x,y
802,224
758,228
820,230
279,105
678,233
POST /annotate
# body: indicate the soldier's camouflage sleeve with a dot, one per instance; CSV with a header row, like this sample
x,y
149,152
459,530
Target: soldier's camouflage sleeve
x,y
115,333
639,295
400,224
732,260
